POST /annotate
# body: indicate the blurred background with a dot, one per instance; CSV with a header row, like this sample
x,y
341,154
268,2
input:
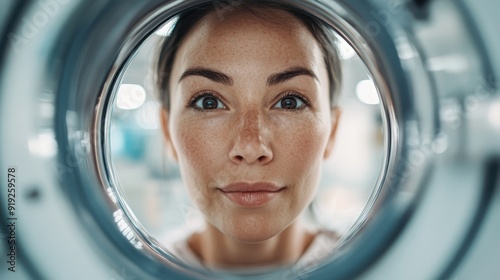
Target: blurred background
x,y
150,180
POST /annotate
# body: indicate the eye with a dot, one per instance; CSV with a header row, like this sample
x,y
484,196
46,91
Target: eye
x,y
291,102
206,101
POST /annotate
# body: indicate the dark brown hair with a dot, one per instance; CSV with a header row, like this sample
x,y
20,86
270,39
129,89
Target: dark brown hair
x,y
188,18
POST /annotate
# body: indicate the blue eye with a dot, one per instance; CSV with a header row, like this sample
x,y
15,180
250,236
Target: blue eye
x,y
207,102
290,102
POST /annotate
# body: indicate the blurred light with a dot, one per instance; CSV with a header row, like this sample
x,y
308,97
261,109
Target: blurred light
x,y
117,139
166,29
494,114
404,48
440,144
44,145
338,207
46,110
130,96
345,50
453,63
148,116
366,91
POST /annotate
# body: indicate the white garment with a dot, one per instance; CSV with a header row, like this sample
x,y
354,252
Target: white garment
x,y
322,245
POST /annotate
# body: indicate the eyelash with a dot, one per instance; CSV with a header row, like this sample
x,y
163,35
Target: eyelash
x,y
197,96
294,94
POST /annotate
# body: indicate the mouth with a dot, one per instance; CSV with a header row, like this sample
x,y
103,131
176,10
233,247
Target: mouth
x,y
251,195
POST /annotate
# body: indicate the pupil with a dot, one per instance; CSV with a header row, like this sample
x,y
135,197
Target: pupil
x,y
288,103
209,103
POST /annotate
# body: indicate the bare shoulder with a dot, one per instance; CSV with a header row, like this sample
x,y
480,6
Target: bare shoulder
x,y
323,244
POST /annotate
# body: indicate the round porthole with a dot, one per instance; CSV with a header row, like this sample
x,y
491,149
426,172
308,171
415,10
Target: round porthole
x,y
93,131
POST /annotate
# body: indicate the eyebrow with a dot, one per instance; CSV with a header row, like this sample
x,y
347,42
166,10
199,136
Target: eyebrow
x,y
208,73
288,74
272,80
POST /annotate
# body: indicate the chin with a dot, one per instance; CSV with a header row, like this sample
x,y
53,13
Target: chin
x,y
251,229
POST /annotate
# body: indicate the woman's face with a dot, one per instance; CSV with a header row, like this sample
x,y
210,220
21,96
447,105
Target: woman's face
x,y
250,109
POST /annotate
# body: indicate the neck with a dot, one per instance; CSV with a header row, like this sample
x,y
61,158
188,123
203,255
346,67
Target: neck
x,y
217,250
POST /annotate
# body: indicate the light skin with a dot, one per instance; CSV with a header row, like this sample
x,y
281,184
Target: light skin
x,y
266,118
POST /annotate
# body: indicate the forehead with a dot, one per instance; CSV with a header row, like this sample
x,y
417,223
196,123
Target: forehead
x,y
243,38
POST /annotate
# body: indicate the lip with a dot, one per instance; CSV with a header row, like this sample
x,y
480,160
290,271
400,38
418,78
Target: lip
x,y
251,195
251,187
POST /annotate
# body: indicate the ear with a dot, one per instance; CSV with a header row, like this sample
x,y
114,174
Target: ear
x,y
335,116
164,117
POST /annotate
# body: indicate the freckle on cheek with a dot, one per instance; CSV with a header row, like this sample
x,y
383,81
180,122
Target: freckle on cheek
x,y
196,149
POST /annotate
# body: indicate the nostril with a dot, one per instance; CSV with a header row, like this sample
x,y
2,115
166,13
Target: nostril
x,y
262,158
239,158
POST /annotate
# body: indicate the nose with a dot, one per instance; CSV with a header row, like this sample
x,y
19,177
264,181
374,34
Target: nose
x,y
252,142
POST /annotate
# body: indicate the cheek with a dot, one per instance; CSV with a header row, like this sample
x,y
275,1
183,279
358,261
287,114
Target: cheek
x,y
199,144
302,142
199,149
302,152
